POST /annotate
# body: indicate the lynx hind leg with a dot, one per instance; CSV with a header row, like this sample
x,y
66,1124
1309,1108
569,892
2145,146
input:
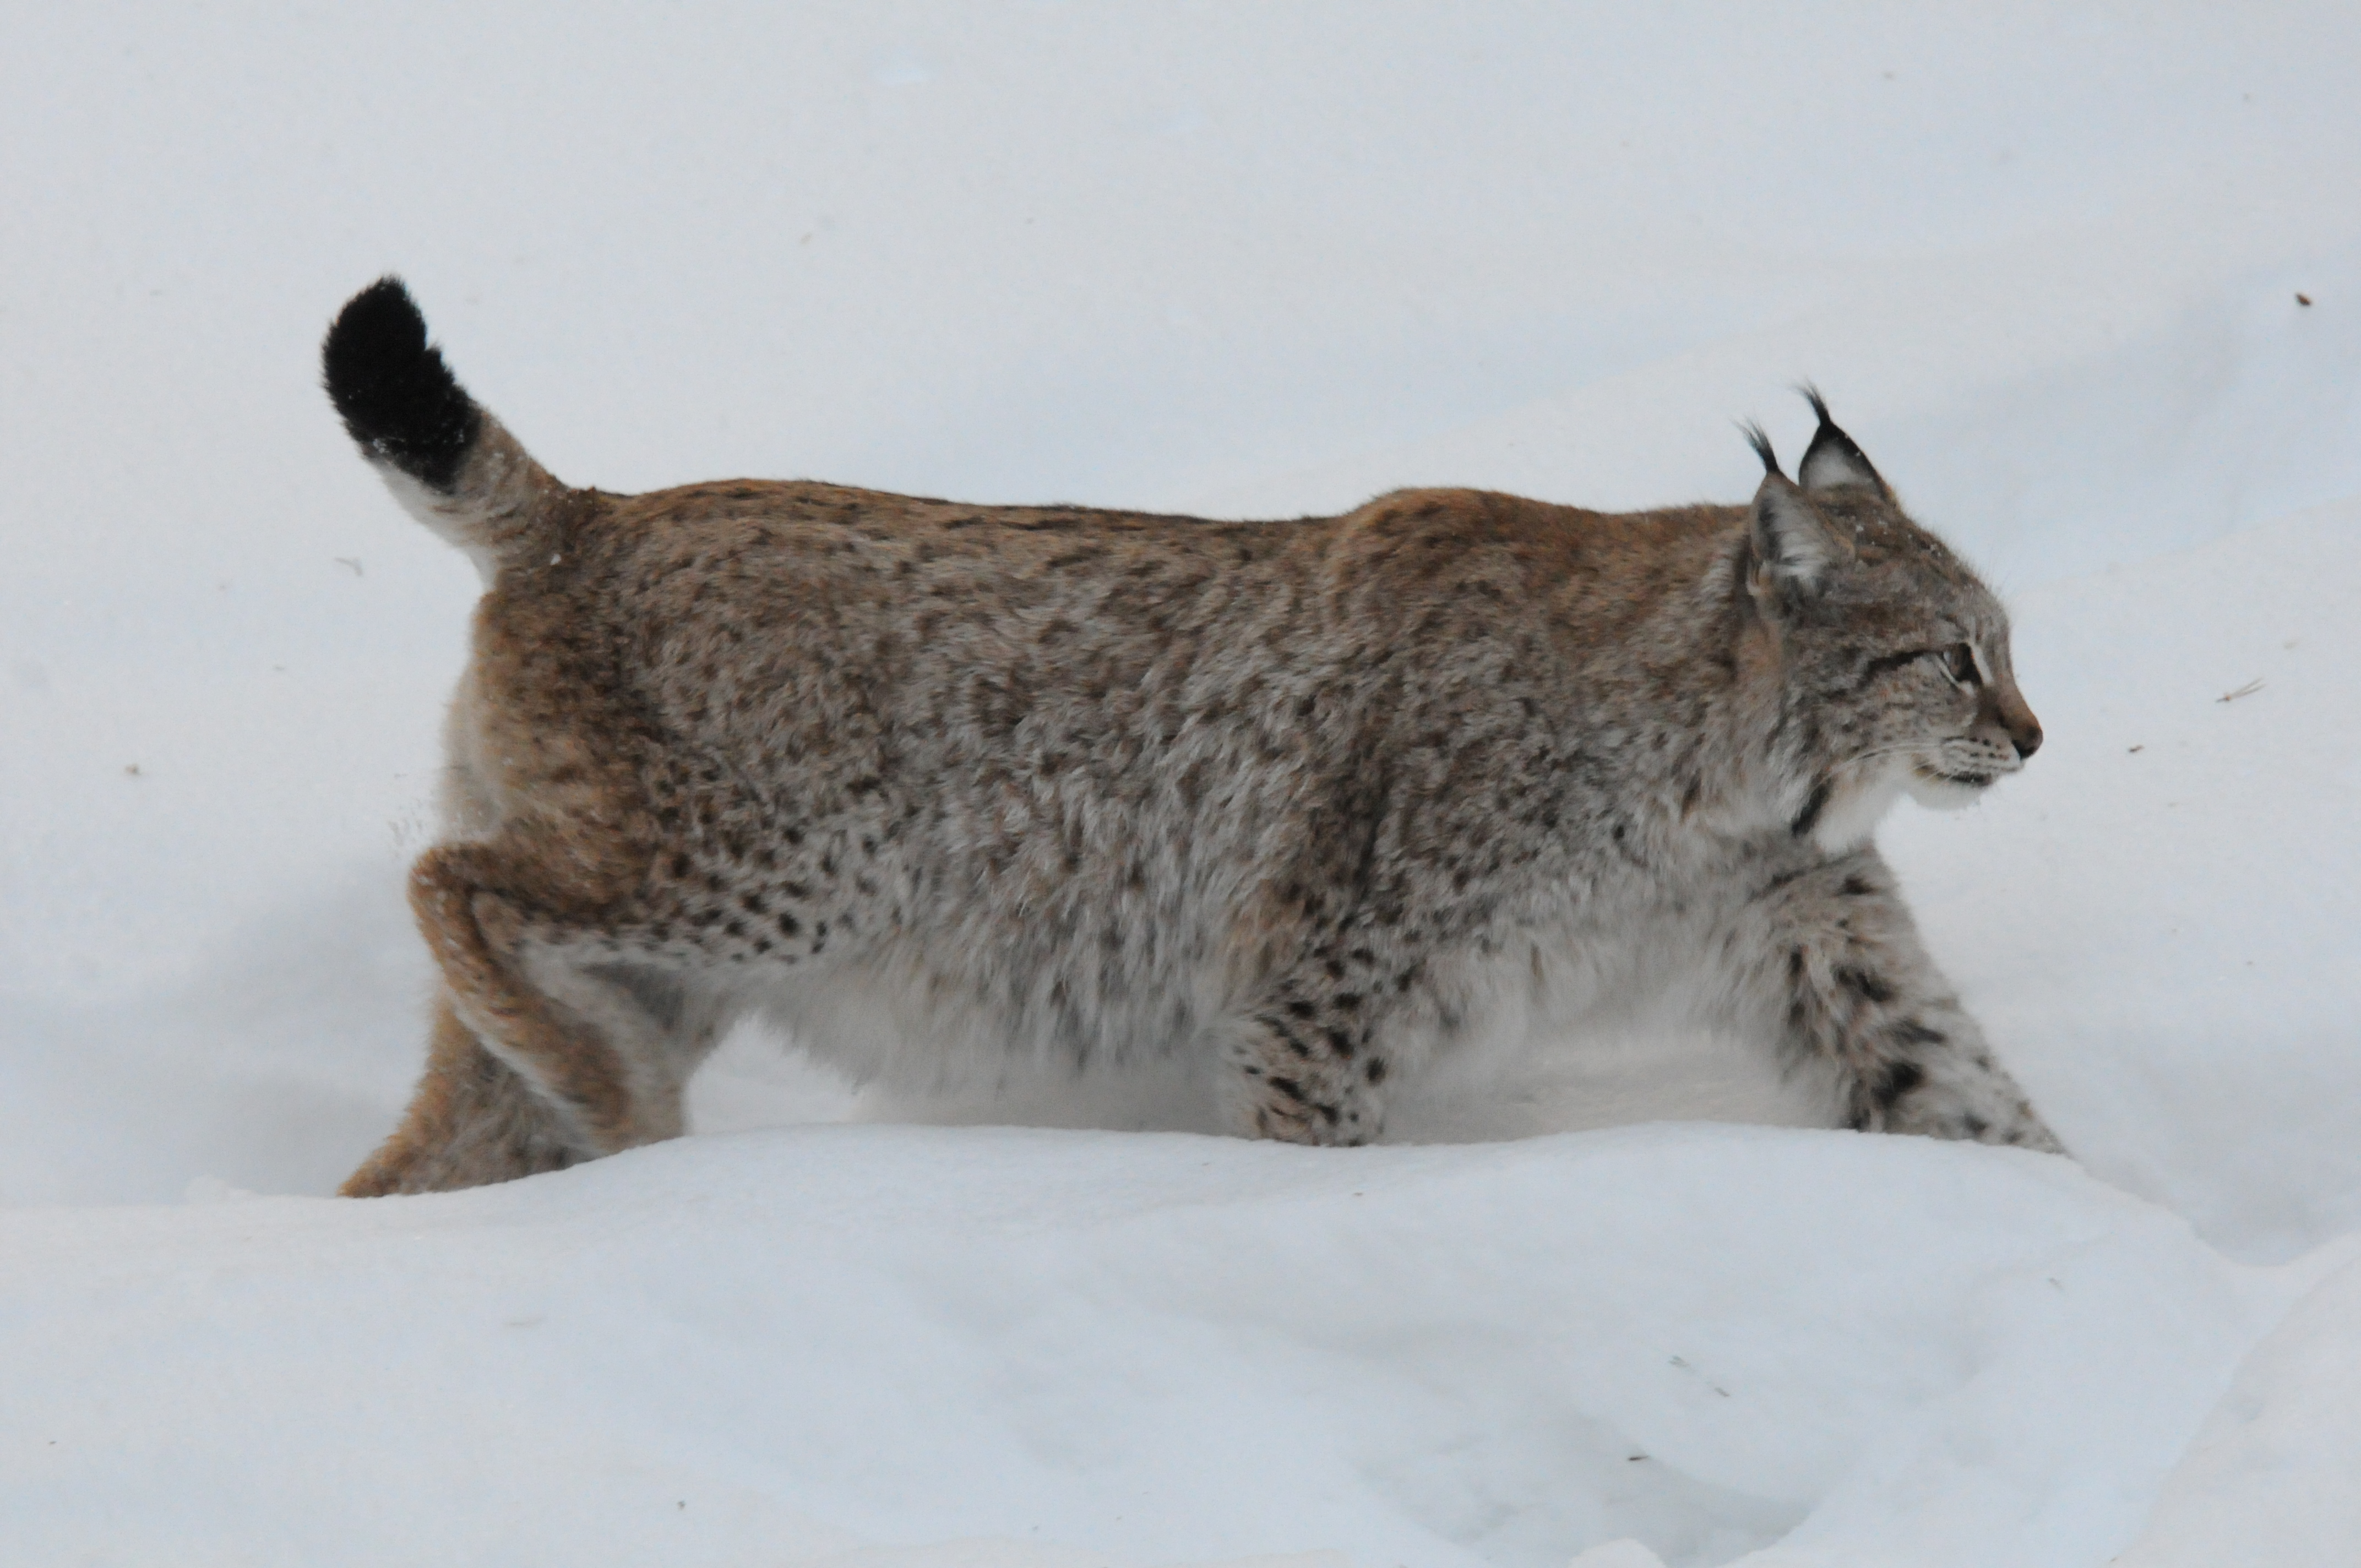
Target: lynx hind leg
x,y
472,1122
605,1046
1831,952
1308,1062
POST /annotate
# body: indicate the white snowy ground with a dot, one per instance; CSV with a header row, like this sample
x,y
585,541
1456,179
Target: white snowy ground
x,y
1247,260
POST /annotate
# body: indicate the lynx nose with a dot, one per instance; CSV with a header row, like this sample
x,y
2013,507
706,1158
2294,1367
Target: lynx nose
x,y
2008,707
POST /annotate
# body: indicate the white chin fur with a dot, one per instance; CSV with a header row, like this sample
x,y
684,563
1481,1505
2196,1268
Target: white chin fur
x,y
1942,795
1856,810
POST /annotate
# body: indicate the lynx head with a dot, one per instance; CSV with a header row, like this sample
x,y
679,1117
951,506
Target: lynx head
x,y
1895,657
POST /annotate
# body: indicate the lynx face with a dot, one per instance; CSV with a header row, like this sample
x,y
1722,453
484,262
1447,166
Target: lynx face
x,y
1975,738
1901,654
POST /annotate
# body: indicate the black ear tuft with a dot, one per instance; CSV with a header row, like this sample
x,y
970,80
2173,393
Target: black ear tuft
x,y
1832,460
1761,445
396,396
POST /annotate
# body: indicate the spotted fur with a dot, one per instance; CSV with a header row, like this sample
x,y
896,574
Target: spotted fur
x,y
941,786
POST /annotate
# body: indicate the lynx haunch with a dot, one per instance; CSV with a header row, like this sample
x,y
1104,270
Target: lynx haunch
x,y
1310,800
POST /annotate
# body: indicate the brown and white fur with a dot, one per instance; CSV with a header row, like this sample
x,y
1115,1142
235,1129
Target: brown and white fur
x,y
1313,800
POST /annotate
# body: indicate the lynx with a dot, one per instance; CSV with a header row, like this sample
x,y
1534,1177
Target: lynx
x,y
1310,800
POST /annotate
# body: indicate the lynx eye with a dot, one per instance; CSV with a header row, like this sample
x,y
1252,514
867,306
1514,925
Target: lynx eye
x,y
1960,663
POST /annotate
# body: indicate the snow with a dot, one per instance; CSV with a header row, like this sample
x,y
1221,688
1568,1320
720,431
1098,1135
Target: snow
x,y
2274,1460
2045,262
1173,1347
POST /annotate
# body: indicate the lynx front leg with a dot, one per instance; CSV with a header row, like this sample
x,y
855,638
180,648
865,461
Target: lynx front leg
x,y
1830,953
1308,1062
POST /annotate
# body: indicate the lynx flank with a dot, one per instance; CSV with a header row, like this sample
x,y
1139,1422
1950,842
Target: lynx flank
x,y
1310,800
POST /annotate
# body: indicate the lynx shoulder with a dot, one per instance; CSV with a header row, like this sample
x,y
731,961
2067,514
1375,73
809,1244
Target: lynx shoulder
x,y
1298,800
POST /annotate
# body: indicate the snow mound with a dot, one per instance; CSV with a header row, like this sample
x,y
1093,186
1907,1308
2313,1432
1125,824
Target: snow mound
x,y
1175,1348
2270,1479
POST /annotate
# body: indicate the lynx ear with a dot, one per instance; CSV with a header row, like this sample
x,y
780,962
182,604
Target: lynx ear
x,y
1793,548
1832,460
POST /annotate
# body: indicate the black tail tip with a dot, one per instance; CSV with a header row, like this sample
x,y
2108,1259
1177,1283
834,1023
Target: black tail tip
x,y
393,390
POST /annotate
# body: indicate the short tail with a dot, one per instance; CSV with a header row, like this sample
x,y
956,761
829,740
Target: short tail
x,y
453,465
